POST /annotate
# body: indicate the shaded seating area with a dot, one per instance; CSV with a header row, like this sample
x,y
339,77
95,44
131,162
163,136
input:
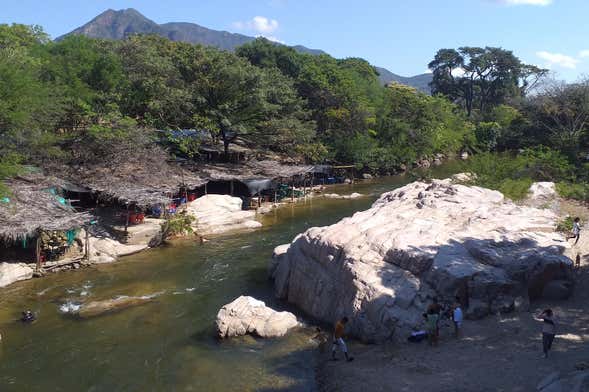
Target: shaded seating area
x,y
256,181
37,224
129,187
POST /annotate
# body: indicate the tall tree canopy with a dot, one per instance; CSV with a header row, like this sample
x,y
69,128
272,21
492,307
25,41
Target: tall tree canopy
x,y
480,78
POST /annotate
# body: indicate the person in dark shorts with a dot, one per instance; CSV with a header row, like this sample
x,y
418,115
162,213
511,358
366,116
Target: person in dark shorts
x,y
576,230
548,330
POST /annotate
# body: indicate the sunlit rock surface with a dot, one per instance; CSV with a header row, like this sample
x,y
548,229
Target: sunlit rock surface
x,y
381,267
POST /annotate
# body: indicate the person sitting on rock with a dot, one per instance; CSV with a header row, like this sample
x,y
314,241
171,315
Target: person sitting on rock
x,y
576,230
338,340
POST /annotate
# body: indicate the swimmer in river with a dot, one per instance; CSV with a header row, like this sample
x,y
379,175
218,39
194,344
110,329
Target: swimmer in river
x,y
28,317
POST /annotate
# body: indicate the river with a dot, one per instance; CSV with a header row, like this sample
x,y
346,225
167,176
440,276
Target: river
x,y
169,344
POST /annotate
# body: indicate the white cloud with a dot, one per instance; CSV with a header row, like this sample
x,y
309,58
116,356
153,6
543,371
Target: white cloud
x,y
273,39
524,2
259,24
584,53
558,59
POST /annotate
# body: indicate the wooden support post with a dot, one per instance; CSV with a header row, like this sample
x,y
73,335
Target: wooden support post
x,y
87,245
127,219
231,187
38,251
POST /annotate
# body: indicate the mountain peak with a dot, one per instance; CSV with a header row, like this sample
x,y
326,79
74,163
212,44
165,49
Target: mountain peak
x,y
118,24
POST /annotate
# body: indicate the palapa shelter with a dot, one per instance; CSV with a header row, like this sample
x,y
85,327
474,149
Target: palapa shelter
x,y
143,179
250,178
32,208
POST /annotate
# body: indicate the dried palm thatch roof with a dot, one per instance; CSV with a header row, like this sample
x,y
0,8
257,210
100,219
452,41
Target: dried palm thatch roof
x,y
144,177
251,170
31,207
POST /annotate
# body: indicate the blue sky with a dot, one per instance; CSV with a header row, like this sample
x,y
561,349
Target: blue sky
x,y
401,35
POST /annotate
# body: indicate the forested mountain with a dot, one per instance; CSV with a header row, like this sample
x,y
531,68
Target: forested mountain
x,y
420,82
113,24
119,24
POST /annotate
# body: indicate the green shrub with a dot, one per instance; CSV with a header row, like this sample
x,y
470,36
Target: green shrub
x,y
515,189
565,225
576,191
179,224
514,174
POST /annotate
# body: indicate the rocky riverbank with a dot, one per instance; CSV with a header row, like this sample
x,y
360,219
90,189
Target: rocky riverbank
x,y
382,266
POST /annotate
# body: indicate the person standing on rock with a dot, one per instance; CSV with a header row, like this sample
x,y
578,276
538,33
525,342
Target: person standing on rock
x,y
457,317
576,230
548,330
338,340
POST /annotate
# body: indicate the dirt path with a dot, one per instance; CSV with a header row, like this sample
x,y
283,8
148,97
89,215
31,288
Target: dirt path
x,y
499,353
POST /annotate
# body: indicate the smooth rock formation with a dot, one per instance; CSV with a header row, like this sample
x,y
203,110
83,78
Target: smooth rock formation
x,y
107,250
463,178
543,195
381,267
147,233
98,308
543,190
216,214
13,272
354,195
247,315
577,381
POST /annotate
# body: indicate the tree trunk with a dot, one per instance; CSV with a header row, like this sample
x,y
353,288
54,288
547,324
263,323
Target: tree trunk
x,y
226,148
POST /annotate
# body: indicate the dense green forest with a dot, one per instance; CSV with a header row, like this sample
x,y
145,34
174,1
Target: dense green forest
x,y
67,100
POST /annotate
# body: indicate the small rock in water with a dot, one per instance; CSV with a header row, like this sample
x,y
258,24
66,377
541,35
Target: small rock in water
x,y
247,315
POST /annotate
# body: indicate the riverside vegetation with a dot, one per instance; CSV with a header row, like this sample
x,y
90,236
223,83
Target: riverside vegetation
x,y
71,100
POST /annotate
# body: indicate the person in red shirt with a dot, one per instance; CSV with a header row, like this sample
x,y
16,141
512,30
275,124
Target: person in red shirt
x,y
338,340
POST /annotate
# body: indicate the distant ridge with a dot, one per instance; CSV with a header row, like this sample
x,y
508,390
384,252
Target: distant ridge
x,y
118,24
112,24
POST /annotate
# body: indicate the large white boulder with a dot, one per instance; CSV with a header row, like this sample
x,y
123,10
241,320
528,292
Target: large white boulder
x,y
247,315
382,266
542,191
13,272
216,214
107,250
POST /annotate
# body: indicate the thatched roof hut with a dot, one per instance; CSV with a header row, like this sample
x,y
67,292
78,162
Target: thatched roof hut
x,y
144,178
272,170
32,207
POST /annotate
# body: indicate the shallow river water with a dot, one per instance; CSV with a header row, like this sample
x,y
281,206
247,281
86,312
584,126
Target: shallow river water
x,y
168,344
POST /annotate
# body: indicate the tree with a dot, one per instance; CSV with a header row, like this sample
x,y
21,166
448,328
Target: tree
x,y
562,111
157,93
478,78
